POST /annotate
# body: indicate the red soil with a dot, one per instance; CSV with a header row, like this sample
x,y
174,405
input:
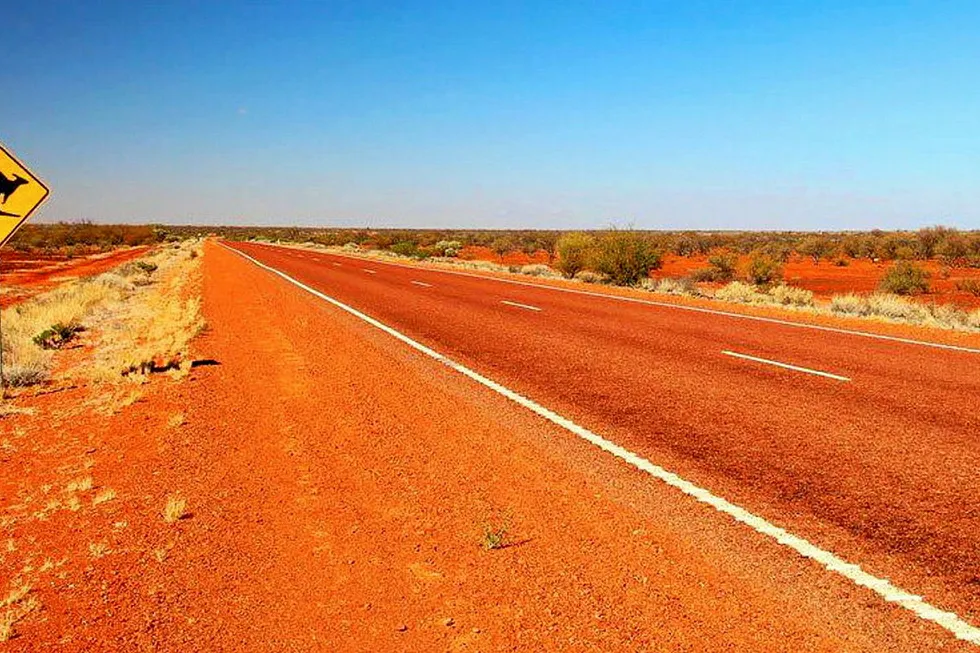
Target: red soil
x,y
858,276
338,485
27,274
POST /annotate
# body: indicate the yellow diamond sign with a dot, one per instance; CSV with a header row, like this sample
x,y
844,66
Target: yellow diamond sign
x,y
20,193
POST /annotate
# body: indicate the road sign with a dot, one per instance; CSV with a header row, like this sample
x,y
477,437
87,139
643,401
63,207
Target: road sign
x,y
20,193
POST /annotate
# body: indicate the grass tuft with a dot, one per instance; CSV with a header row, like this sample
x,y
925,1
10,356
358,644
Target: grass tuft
x,y
175,510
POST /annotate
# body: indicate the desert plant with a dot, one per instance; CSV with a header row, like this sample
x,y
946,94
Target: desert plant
x,y
404,248
588,276
791,296
816,247
494,537
721,269
763,270
905,278
626,257
175,509
971,286
57,335
575,251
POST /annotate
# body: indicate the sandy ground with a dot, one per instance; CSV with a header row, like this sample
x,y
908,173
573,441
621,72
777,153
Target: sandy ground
x,y
25,275
338,491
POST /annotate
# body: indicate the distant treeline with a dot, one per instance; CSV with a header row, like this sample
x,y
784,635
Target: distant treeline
x,y
948,244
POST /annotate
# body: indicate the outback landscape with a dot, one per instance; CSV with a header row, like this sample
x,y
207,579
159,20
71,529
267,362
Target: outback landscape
x,y
189,439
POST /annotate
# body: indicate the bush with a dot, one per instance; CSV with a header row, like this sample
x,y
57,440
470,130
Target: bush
x,y
740,293
763,270
450,248
668,286
57,335
404,248
905,278
791,296
588,276
538,270
626,257
721,269
576,252
971,286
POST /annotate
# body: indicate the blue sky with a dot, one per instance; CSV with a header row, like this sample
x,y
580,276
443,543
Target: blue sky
x,y
724,114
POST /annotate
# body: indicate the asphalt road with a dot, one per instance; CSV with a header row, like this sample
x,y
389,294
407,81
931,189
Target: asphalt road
x,y
865,447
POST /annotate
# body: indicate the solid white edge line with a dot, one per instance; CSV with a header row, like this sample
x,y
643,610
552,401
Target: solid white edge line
x,y
884,588
787,366
680,307
527,306
423,284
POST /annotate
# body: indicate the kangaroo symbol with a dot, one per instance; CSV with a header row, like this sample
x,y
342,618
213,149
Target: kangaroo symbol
x,y
7,188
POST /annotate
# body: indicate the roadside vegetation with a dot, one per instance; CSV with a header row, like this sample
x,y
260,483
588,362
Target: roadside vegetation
x,y
136,319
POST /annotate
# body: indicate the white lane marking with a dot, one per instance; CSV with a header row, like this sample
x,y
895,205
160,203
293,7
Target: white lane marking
x,y
423,284
881,586
785,365
370,271
682,307
527,306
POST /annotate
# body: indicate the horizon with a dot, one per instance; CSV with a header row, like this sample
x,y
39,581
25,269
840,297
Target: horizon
x,y
702,117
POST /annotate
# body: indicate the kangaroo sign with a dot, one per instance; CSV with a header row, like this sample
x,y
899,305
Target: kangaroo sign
x,y
20,193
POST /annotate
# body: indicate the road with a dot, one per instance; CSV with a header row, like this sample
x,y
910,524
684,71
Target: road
x,y
873,457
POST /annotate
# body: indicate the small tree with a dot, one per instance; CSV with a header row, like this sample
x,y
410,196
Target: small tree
x,y
576,251
816,247
502,245
763,270
905,278
626,257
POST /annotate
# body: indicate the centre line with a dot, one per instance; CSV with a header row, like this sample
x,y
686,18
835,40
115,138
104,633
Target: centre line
x,y
423,284
787,366
530,308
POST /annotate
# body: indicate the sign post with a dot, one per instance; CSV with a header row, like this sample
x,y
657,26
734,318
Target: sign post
x,y
21,192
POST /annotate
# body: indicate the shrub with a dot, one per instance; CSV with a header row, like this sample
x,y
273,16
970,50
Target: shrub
x,y
721,269
791,296
849,304
763,270
741,293
404,248
905,278
450,248
971,286
538,270
576,251
146,267
57,335
588,276
816,247
626,257
668,286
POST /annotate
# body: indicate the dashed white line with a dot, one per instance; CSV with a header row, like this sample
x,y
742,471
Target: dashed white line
x,y
683,307
525,306
795,368
881,586
423,284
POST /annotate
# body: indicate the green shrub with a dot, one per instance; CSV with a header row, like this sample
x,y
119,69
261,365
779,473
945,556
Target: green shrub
x,y
57,335
763,270
146,267
450,248
405,248
626,257
905,278
576,251
722,268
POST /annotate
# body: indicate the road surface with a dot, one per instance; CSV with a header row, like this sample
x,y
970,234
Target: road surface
x,y
865,447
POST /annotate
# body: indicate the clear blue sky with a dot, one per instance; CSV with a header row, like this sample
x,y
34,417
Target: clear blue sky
x,y
686,114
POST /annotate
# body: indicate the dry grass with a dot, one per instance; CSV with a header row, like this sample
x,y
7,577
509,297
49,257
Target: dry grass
x,y
152,331
80,485
98,549
103,496
15,606
177,419
175,510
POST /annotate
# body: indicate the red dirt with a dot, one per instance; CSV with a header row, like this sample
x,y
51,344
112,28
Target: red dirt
x,y
338,486
27,274
479,253
858,276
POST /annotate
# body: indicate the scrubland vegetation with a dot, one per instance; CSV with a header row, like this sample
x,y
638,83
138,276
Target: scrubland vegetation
x,y
133,320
